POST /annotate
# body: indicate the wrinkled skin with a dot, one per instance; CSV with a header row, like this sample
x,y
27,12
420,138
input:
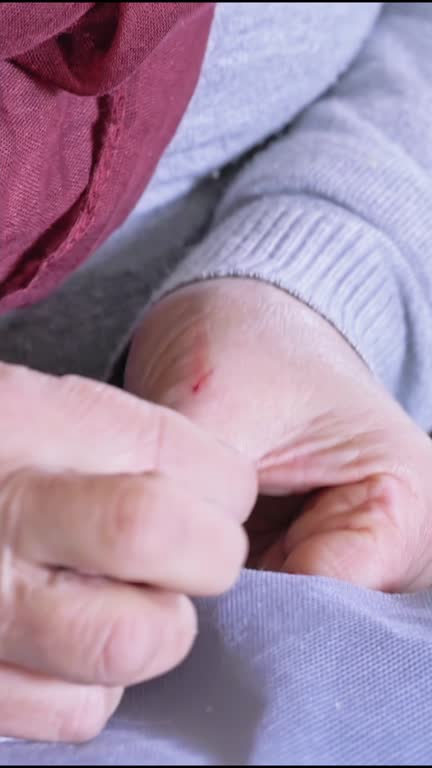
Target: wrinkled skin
x,y
345,476
112,513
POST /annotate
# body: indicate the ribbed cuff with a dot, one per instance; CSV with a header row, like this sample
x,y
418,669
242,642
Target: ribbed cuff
x,y
322,254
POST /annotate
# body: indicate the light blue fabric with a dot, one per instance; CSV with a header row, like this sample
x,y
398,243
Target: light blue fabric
x,y
286,671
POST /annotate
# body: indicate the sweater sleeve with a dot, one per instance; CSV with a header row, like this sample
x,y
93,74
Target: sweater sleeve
x,y
338,210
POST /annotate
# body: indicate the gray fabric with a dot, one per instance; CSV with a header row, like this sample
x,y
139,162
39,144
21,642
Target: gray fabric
x,y
285,670
337,210
80,328
265,63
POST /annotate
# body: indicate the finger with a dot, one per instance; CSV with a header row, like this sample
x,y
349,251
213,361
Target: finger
x,y
209,469
356,533
133,528
324,457
91,427
43,709
93,631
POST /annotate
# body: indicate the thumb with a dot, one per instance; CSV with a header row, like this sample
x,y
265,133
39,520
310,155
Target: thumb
x,y
360,533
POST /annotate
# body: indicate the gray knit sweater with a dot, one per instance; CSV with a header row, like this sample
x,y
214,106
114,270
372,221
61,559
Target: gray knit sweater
x,y
336,208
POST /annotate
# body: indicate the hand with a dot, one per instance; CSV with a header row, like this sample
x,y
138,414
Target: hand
x,y
111,512
344,475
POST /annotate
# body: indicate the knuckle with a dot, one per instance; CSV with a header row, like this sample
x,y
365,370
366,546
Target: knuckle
x,y
383,486
386,493
136,522
124,516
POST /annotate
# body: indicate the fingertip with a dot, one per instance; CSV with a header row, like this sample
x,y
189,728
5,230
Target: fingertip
x,y
113,697
176,638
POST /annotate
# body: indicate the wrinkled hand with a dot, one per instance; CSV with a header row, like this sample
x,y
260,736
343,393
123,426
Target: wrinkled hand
x,y
112,511
345,476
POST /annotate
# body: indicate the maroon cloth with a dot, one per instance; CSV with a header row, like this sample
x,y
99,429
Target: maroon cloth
x,y
90,95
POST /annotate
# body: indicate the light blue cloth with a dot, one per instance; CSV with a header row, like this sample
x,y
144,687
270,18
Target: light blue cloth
x,y
286,671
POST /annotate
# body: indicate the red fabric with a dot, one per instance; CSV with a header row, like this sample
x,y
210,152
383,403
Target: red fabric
x,y
90,95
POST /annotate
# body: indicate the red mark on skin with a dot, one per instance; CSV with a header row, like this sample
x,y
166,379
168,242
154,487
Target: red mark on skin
x,y
201,369
201,382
